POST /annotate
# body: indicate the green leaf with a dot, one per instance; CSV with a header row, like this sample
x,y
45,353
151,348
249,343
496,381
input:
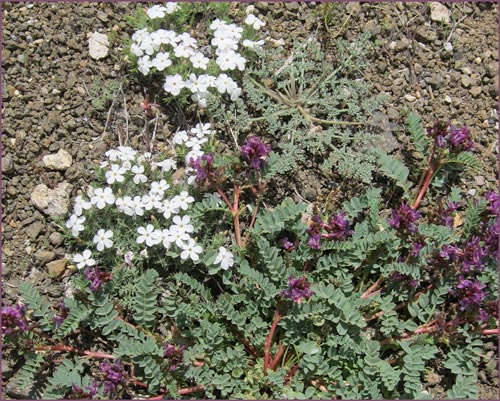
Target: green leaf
x,y
145,306
418,134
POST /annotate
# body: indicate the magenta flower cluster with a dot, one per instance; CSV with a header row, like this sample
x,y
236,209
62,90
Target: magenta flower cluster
x,y
254,152
175,355
298,289
449,137
84,393
404,218
470,293
14,319
96,277
337,227
112,376
203,166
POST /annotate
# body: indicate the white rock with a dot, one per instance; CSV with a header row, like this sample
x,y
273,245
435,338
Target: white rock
x,y
439,12
59,161
53,202
448,47
98,45
447,99
471,192
410,98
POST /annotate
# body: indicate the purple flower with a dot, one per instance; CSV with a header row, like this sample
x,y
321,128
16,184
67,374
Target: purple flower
x,y
174,354
286,244
337,227
63,313
86,393
449,252
416,248
460,138
492,237
298,289
440,142
203,166
315,241
112,375
255,152
96,277
14,319
470,293
404,218
447,216
472,255
493,203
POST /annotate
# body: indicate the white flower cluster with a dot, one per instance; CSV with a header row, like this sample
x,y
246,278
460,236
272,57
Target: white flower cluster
x,y
138,197
162,48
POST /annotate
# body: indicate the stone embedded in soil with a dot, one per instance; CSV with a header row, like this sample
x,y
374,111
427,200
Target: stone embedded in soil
x,y
43,256
7,163
57,267
59,161
55,238
466,81
53,202
475,91
98,45
34,230
439,12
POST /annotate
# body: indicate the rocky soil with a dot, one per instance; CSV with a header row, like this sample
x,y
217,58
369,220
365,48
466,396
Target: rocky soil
x,y
63,109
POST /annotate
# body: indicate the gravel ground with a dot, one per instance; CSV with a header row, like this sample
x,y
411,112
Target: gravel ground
x,y
57,97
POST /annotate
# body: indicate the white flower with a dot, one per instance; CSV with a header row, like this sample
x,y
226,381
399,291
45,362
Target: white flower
x,y
227,60
126,153
183,200
136,50
195,142
159,187
197,84
150,202
147,235
157,11
168,208
125,205
255,22
166,238
112,154
188,40
164,37
144,65
223,83
128,257
253,45
80,204
148,46
223,44
180,137
194,154
102,239
115,174
182,50
102,197
167,164
191,250
137,206
76,224
161,61
200,130
171,7
138,36
139,176
182,224
200,98
225,258
178,236
216,23
173,84
199,60
234,92
84,259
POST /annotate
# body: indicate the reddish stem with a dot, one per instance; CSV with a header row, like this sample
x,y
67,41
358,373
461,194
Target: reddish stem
x,y
252,222
236,214
278,356
190,390
489,332
372,288
269,339
423,190
291,373
67,348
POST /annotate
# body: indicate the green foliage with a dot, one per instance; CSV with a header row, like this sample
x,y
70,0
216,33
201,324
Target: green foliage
x,y
68,373
418,135
39,305
145,308
394,169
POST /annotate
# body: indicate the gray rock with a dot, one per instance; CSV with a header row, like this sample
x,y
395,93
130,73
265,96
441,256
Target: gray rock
x,y
7,163
55,238
439,12
466,81
43,256
59,161
425,34
475,91
53,202
34,230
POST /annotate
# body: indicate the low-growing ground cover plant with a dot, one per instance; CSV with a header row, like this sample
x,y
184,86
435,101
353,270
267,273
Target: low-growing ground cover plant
x,y
187,285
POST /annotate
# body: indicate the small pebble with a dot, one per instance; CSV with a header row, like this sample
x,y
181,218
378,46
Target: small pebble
x,y
471,192
410,98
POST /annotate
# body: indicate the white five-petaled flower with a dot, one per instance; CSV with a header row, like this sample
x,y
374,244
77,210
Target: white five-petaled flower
x,y
183,200
171,7
167,164
191,250
102,197
147,235
224,258
115,174
80,204
200,130
173,84
166,237
182,224
102,239
199,60
156,11
161,61
158,187
168,208
76,224
126,153
252,45
84,259
138,174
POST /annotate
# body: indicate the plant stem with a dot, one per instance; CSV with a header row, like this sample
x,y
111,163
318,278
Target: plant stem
x,y
67,348
269,339
489,332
